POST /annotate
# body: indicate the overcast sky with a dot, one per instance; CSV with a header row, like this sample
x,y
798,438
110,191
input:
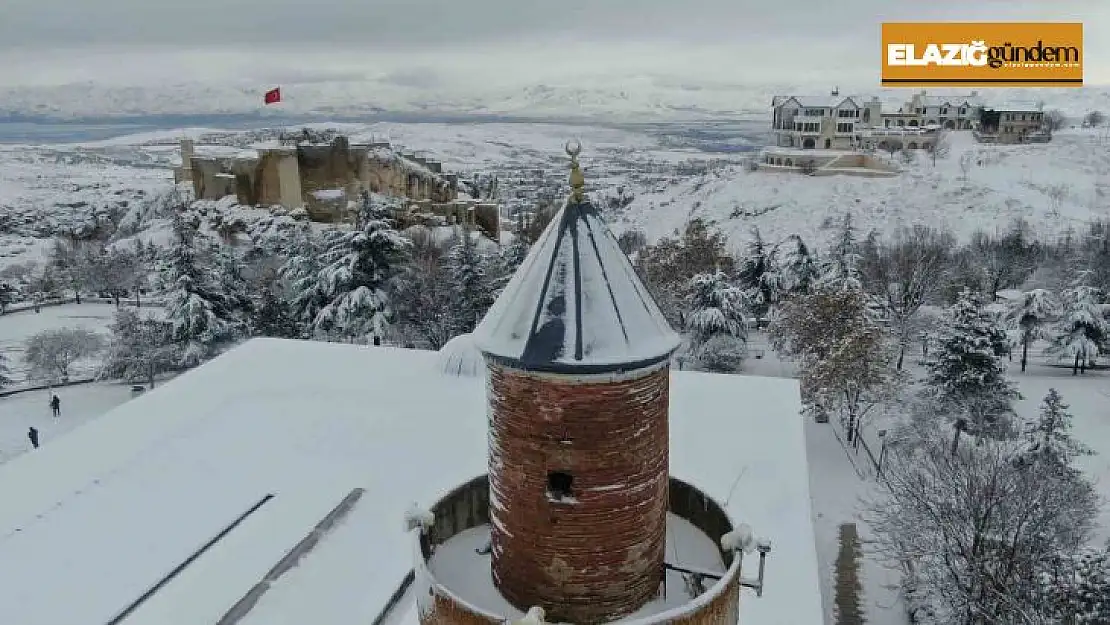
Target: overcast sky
x,y
732,39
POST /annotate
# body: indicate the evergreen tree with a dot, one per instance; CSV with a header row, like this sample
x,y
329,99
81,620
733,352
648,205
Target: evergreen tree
x,y
1075,587
5,379
1031,316
193,309
301,271
797,266
716,307
232,292
1082,329
841,269
471,291
965,373
758,275
141,348
1049,435
359,270
273,316
512,256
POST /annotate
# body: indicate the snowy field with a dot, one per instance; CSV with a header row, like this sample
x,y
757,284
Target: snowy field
x,y
1053,186
17,327
80,404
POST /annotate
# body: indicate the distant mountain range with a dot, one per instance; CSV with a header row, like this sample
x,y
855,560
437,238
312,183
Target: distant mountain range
x,y
641,98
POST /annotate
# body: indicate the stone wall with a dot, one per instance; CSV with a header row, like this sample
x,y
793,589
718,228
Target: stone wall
x,y
288,176
598,554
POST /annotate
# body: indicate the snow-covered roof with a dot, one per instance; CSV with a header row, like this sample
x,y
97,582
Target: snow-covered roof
x,y
576,303
99,516
1016,107
461,357
825,101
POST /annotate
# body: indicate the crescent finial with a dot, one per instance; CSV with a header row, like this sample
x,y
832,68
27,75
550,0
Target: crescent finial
x,y
574,147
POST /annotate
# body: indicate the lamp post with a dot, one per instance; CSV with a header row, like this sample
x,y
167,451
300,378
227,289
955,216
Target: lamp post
x,y
882,451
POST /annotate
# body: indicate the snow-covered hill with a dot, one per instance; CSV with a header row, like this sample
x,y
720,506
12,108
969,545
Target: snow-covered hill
x,y
1053,186
665,168
601,97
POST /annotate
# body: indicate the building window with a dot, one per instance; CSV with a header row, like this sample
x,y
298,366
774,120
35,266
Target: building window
x,y
963,110
944,110
844,127
560,485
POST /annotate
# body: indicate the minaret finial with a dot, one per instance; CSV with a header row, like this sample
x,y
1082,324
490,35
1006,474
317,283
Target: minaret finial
x,y
577,180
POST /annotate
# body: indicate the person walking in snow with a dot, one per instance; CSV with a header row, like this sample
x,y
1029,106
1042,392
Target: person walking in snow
x,y
33,434
56,406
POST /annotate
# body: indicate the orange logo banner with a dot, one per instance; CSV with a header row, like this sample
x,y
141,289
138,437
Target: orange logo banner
x,y
1016,54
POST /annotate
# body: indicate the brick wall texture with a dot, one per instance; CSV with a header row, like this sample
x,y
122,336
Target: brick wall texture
x,y
597,556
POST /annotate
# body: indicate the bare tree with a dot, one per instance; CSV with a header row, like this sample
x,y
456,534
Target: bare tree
x,y
53,352
966,161
1057,193
1054,119
1094,119
905,274
843,355
970,528
941,146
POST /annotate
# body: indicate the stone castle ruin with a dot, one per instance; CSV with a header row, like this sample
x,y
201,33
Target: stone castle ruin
x,y
324,178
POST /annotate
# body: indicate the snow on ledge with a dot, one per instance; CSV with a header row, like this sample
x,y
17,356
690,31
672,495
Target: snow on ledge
x,y
461,357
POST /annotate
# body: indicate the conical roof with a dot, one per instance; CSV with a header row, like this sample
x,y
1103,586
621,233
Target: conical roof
x,y
576,305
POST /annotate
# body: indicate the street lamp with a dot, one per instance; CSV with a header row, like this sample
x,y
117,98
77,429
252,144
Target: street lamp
x,y
882,450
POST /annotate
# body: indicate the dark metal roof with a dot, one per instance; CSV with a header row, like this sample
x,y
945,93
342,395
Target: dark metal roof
x,y
576,304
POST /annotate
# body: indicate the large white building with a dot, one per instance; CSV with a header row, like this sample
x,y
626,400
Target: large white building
x,y
829,122
837,122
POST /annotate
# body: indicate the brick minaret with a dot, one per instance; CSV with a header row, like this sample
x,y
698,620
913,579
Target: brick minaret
x,y
578,354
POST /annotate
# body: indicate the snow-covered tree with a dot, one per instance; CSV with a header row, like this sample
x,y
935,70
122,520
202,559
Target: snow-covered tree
x,y
232,291
965,374
359,271
1048,436
301,272
1031,316
904,274
114,271
1082,329
471,286
52,353
198,321
797,266
424,296
511,257
141,348
716,308
841,267
758,274
5,372
977,524
273,315
1075,587
721,353
7,296
71,259
844,357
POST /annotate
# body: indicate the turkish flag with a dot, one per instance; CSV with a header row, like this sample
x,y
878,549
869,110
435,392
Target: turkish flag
x,y
273,96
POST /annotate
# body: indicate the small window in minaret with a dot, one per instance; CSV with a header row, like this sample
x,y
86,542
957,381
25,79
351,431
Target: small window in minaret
x,y
560,485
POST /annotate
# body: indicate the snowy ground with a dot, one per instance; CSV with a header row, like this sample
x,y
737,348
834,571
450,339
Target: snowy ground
x,y
17,327
1054,186
80,404
841,481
